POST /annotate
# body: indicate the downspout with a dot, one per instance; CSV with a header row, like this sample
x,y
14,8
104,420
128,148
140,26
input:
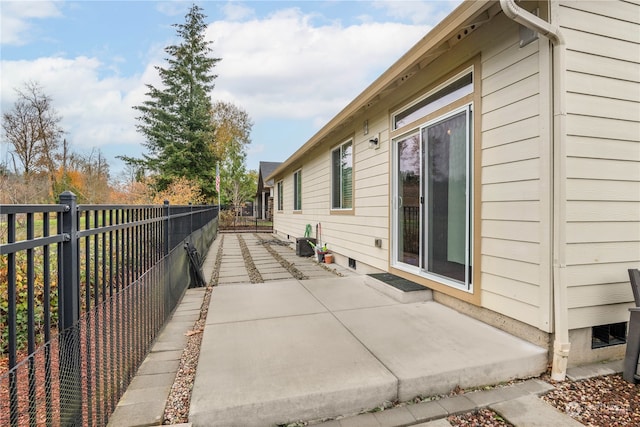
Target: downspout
x,y
561,344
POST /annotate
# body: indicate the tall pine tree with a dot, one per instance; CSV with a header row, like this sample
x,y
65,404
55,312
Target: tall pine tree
x,y
176,119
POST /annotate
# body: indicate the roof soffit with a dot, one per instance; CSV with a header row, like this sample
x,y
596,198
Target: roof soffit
x,y
459,24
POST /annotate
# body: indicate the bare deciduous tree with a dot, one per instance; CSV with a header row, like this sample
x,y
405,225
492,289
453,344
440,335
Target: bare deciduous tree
x,y
33,129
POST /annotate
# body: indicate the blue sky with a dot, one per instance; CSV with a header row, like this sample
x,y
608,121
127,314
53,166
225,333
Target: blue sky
x,y
292,65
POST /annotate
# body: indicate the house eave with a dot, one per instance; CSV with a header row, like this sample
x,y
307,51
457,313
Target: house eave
x,y
436,42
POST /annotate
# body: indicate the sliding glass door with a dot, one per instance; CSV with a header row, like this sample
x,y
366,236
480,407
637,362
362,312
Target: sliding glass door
x,y
432,209
446,211
408,200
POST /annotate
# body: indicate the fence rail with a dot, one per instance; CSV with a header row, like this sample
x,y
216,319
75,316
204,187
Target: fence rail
x,y
229,222
84,290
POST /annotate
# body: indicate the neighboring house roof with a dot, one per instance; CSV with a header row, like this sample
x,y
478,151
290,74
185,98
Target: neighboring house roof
x,y
465,19
266,169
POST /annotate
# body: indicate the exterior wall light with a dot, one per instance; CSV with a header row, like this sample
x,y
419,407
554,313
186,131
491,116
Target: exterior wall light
x,y
373,143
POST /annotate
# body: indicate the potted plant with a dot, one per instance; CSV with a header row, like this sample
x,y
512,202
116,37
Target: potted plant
x,y
320,251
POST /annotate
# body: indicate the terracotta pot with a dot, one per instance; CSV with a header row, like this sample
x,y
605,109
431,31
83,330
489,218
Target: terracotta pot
x,y
328,258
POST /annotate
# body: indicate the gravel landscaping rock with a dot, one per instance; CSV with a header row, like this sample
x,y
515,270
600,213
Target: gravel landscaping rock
x,y
177,409
596,402
283,262
601,401
254,274
482,417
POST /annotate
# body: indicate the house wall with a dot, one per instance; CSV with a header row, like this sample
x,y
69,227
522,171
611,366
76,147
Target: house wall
x,y
516,169
514,154
513,168
602,158
347,235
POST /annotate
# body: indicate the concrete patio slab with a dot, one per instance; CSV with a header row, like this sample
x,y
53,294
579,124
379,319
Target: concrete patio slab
x,y
284,369
431,349
232,269
346,293
264,262
234,279
442,422
395,417
154,356
427,410
236,262
531,411
290,350
578,373
151,367
141,413
239,263
275,276
270,268
261,301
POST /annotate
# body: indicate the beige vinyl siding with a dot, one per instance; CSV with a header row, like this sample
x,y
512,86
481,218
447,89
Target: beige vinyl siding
x,y
354,235
351,235
514,184
603,158
602,164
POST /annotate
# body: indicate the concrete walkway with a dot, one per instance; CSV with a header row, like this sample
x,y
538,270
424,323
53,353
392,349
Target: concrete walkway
x,y
332,346
288,350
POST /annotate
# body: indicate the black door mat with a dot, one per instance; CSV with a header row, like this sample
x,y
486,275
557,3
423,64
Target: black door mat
x,y
398,282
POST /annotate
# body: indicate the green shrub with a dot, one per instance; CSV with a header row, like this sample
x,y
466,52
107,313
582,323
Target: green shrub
x,y
22,298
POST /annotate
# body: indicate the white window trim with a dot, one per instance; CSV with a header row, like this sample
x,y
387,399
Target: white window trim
x,y
339,147
280,196
468,70
417,270
295,190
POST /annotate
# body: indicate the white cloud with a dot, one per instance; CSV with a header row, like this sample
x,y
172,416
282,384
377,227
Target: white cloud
x,y
15,17
418,12
173,8
284,67
237,12
95,111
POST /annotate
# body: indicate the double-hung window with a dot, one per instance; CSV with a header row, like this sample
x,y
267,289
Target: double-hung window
x,y
280,196
297,191
342,176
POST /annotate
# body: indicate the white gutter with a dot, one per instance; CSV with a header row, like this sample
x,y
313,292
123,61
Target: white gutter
x,y
561,344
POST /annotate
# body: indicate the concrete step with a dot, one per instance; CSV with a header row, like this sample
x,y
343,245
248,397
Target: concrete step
x,y
404,291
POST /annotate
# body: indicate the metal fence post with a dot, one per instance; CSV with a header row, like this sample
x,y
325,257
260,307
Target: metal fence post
x,y
166,249
190,218
167,225
69,306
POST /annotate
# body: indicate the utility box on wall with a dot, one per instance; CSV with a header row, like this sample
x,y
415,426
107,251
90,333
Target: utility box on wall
x,y
303,248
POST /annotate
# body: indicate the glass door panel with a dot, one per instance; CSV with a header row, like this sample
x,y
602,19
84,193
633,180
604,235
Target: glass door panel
x,y
446,214
408,201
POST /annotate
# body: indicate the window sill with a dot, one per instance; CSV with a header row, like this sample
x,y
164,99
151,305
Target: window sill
x,y
342,212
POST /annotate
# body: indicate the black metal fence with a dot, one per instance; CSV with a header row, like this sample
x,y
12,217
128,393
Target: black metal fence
x,y
229,222
84,291
411,229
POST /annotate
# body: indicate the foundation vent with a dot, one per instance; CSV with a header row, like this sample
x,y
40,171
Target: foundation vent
x,y
608,335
